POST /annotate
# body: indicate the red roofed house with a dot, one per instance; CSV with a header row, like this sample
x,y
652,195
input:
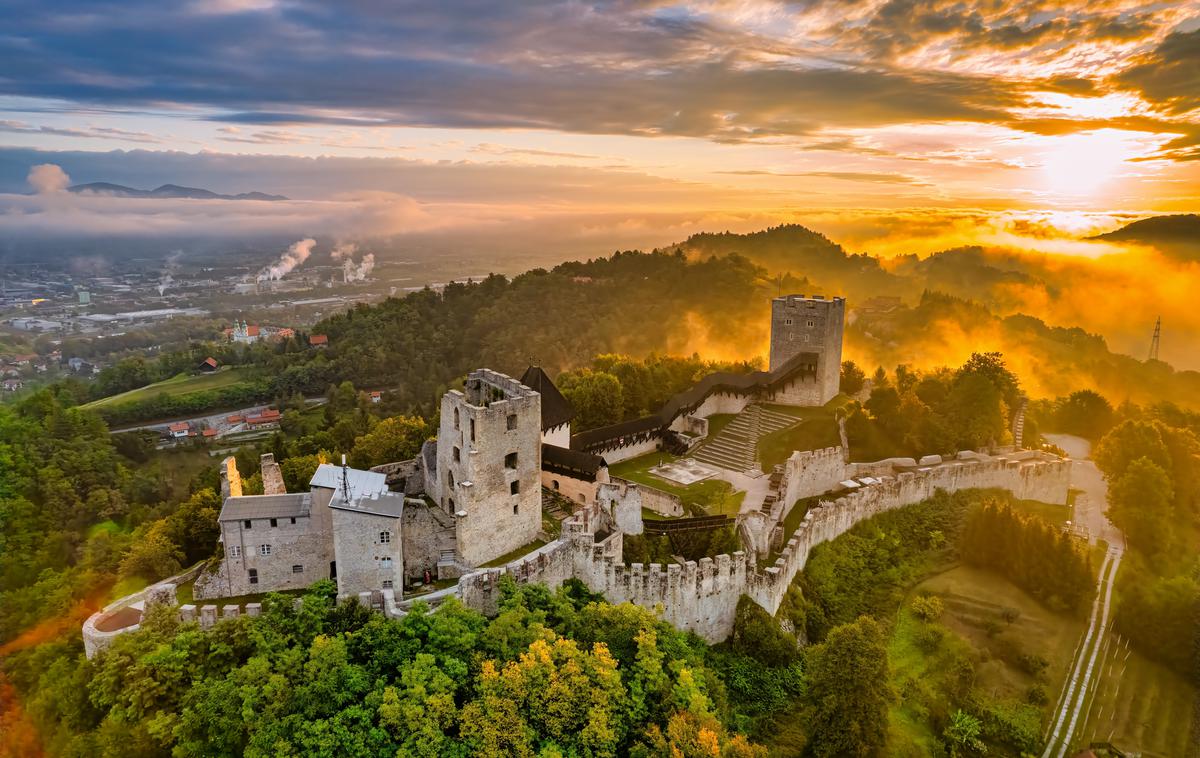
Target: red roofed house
x,y
236,418
180,429
209,433
376,396
209,364
318,340
267,419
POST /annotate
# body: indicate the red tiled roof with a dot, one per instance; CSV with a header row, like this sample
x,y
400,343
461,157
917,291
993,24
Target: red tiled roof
x,y
209,361
236,418
318,339
252,331
179,426
210,432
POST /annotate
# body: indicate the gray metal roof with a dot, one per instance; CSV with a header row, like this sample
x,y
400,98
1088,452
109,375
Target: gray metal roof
x,y
266,506
362,483
389,504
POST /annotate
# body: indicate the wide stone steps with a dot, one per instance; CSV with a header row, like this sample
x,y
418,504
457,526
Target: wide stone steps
x,y
735,447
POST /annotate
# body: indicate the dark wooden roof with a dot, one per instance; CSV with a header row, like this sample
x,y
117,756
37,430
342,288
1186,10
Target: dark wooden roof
x,y
556,409
573,463
691,399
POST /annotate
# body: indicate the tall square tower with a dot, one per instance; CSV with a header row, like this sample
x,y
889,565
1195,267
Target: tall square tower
x,y
489,465
810,325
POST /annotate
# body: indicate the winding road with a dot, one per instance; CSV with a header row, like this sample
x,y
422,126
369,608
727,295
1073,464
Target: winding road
x,y
1090,503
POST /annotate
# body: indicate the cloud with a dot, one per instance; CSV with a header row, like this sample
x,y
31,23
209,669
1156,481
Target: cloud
x,y
47,177
1168,76
849,176
751,71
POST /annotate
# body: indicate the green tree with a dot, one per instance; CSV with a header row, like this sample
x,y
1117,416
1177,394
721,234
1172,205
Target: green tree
x,y
1140,504
394,439
962,734
849,691
596,397
853,378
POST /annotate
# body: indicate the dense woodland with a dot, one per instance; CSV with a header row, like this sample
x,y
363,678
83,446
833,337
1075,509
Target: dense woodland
x,y
85,516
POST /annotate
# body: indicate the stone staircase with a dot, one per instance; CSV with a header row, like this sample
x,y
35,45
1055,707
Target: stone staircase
x,y
736,446
1018,429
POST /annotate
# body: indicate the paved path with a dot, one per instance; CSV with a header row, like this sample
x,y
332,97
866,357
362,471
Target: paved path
x,y
1090,504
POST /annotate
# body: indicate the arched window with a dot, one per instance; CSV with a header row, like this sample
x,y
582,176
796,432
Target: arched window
x,y
385,538
554,484
455,418
450,478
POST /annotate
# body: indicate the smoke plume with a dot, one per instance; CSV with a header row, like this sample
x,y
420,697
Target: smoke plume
x,y
295,255
352,272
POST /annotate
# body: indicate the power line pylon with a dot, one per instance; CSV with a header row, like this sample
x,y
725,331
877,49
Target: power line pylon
x,y
1154,339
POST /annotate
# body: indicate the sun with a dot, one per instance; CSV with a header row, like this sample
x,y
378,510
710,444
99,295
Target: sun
x,y
1082,165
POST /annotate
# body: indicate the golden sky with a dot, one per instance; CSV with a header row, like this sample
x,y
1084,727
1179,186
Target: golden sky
x,y
741,107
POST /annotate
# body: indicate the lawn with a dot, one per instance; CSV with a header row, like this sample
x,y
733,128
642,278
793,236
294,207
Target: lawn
x,y
1055,514
715,496
181,384
512,555
1138,705
817,429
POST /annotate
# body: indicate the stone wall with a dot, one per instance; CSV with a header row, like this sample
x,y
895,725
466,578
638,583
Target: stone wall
x,y
96,639
720,402
577,490
367,561
427,532
802,324
307,543
616,451
272,476
659,501
404,476
623,502
812,472
702,596
494,418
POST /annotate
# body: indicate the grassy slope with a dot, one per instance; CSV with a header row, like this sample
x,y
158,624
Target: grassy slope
x,y
181,384
972,598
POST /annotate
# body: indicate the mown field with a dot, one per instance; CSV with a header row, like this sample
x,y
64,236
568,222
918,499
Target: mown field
x,y
181,384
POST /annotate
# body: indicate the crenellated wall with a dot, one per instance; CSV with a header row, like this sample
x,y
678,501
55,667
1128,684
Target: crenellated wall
x,y
812,472
702,596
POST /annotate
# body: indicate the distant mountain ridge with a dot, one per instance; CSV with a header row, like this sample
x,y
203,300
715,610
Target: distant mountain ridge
x,y
166,191
1180,227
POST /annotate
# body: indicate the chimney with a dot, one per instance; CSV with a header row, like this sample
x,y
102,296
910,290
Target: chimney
x,y
231,480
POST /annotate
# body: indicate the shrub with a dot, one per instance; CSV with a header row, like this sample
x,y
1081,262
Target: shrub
x,y
927,608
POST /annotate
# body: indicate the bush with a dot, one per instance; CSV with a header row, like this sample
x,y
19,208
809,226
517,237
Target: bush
x,y
927,608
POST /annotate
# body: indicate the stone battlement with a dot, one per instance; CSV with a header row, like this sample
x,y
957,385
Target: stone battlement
x,y
702,596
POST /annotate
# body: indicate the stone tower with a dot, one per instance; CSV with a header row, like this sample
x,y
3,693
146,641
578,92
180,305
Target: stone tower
x,y
810,326
489,465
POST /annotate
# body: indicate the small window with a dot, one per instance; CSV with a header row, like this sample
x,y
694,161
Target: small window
x,y
811,323
385,537
514,488
787,322
510,460
274,523
293,519
387,584
512,421
450,478
246,524
456,418
264,549
472,430
235,551
457,454
297,568
554,484
254,576
450,503
385,562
